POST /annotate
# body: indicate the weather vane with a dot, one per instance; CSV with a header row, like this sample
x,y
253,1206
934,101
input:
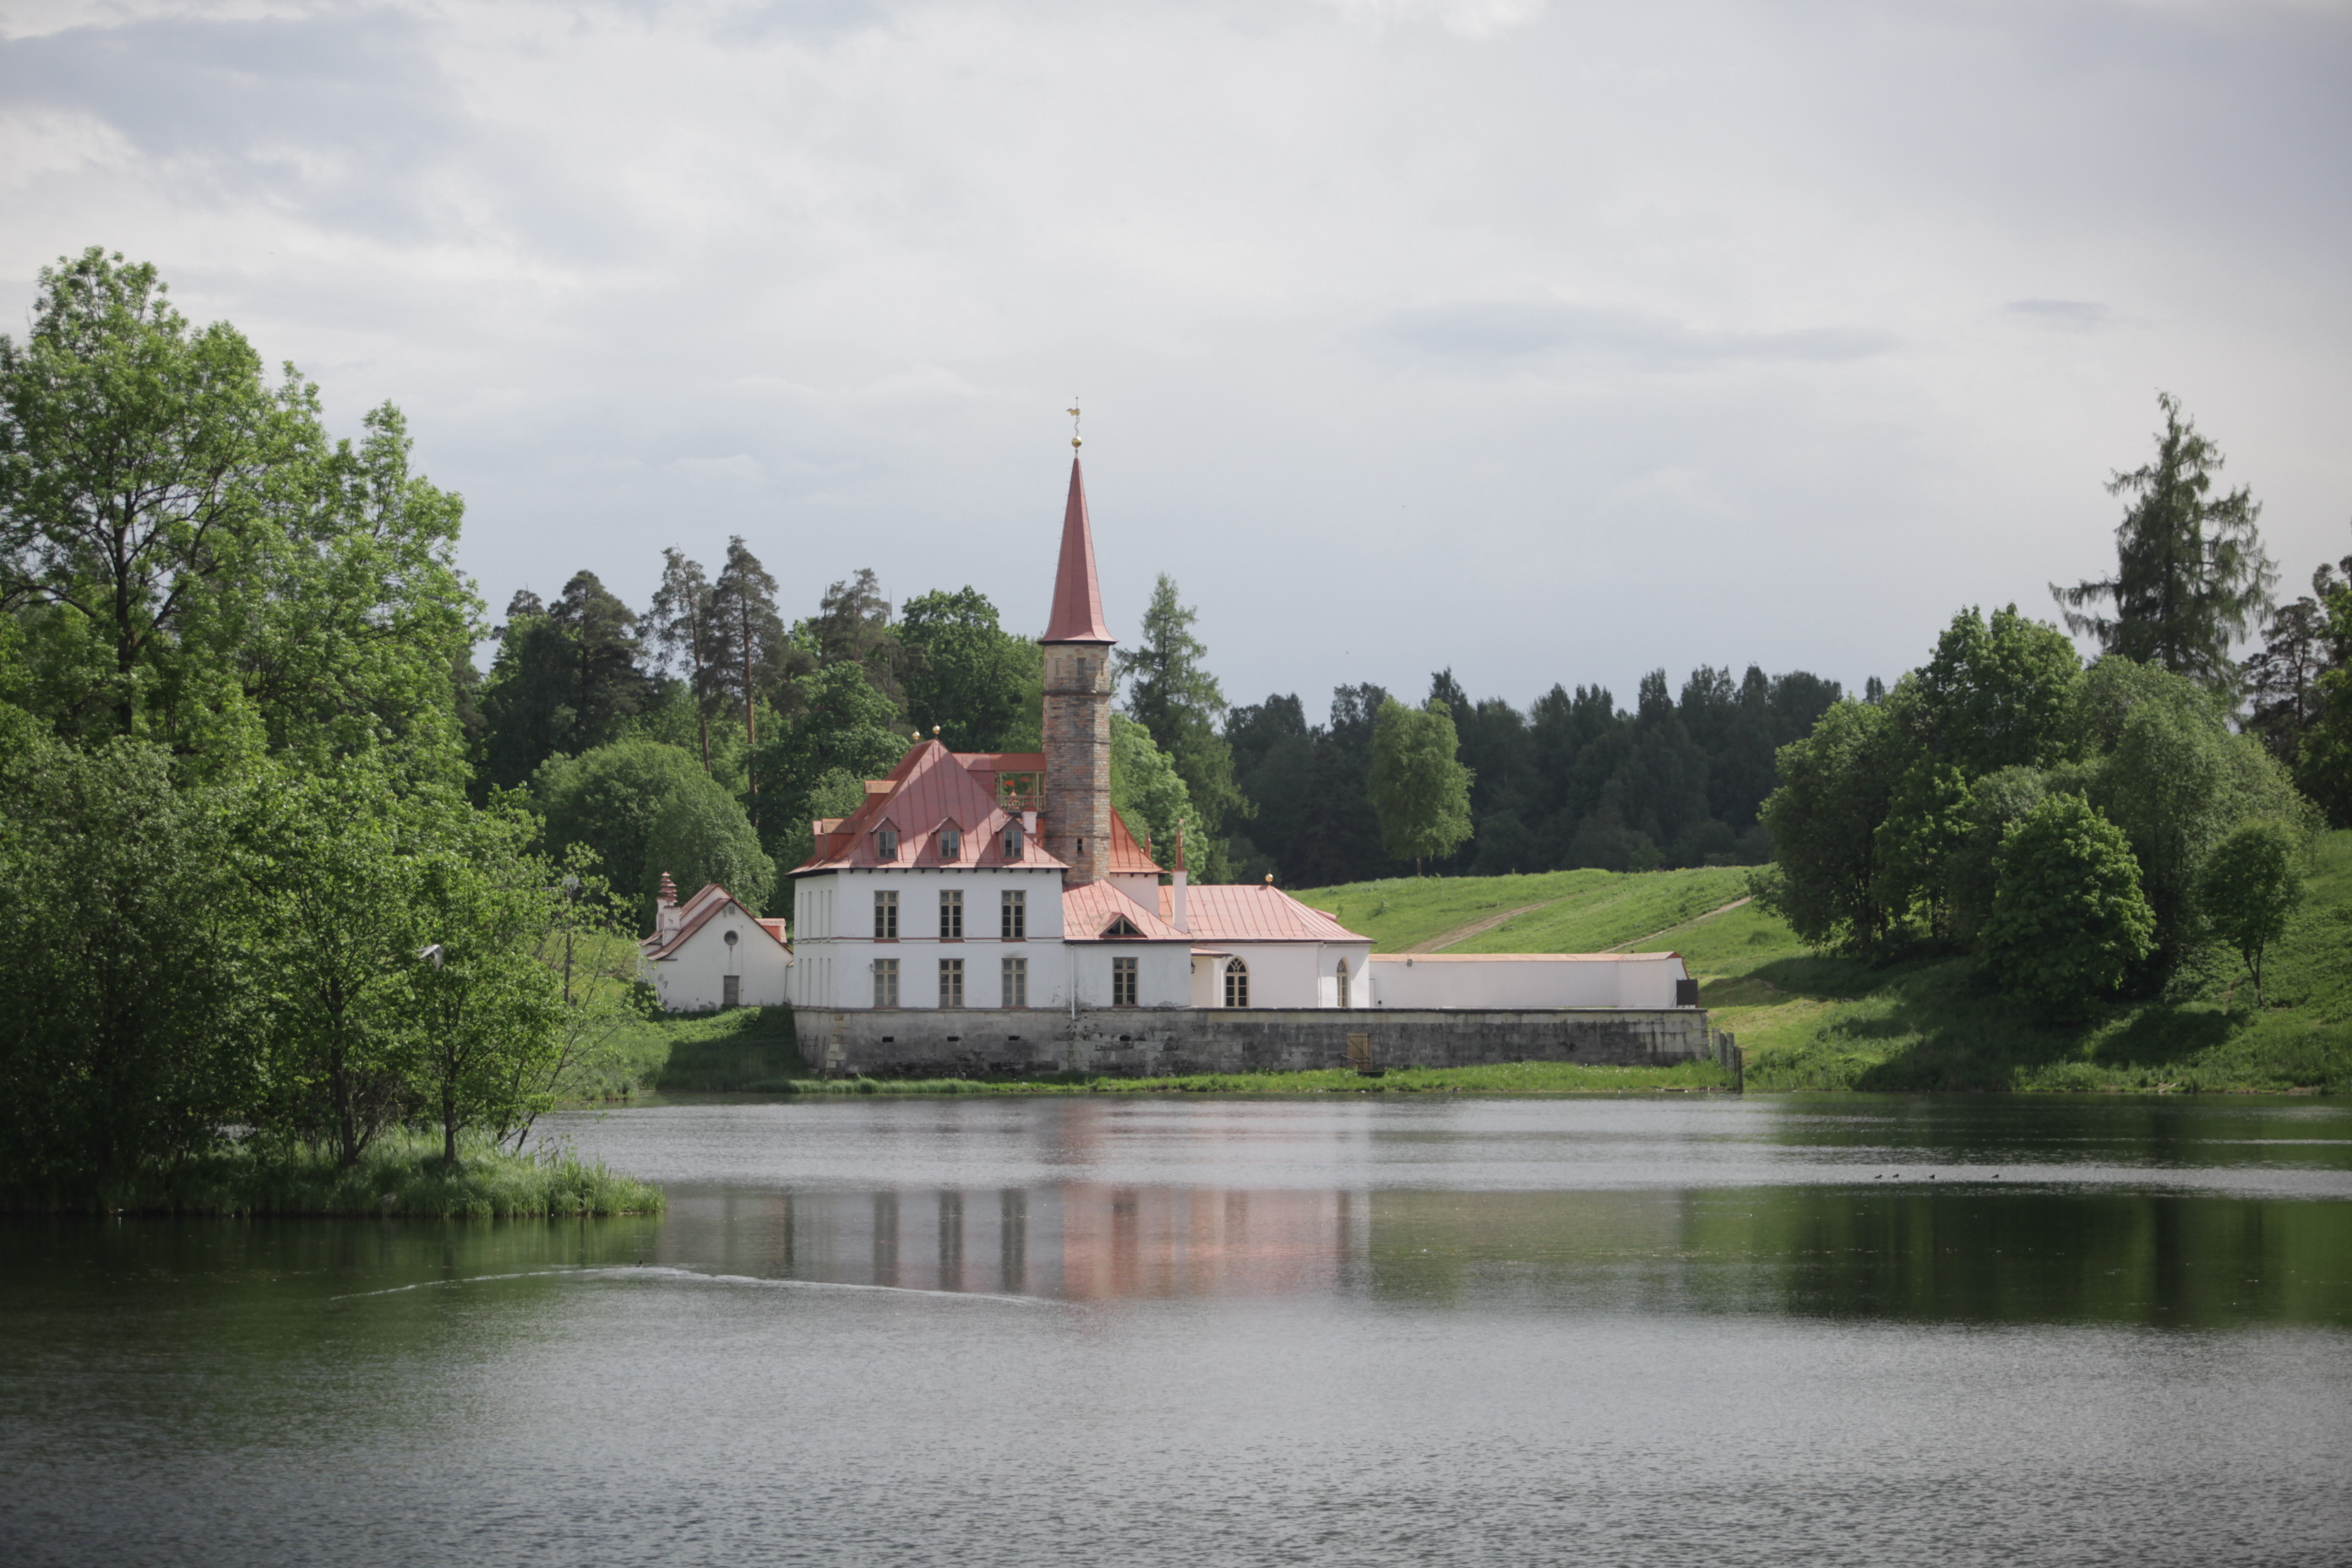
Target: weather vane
x,y
1075,441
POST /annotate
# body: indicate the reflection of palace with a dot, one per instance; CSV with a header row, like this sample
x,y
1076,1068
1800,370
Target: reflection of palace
x,y
1083,1242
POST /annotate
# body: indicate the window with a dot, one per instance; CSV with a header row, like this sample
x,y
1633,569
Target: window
x,y
886,983
950,981
1123,982
1237,984
1013,917
952,915
1013,841
1343,982
951,844
1121,927
1016,982
885,844
886,917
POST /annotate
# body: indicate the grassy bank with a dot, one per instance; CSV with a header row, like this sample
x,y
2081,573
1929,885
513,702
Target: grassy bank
x,y
1927,1022
401,1179
748,1048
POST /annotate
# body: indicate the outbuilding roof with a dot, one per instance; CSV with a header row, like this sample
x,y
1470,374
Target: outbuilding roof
x,y
699,910
1252,911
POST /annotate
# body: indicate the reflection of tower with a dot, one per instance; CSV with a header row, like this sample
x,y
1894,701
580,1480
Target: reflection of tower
x,y
1077,703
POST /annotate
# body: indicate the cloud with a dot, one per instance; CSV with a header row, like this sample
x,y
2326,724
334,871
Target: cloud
x,y
1505,334
716,473
2061,315
1467,18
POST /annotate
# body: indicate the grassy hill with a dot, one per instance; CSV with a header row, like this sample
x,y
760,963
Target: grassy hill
x,y
1928,1021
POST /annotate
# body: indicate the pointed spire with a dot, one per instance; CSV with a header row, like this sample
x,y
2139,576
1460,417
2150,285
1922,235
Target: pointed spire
x,y
1077,598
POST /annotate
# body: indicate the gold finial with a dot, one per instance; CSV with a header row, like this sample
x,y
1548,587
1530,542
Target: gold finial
x,y
1075,441
935,732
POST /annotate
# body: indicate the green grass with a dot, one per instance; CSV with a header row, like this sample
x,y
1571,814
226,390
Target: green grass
x,y
744,1049
1929,1021
401,1178
1575,912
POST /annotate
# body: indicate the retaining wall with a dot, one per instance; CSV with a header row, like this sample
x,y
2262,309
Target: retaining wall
x,y
939,1042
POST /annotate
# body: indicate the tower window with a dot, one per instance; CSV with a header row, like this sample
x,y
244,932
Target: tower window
x,y
886,983
952,915
1123,981
1237,984
1012,917
950,981
886,917
1016,982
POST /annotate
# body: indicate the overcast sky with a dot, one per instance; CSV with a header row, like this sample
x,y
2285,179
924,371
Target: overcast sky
x,y
1550,342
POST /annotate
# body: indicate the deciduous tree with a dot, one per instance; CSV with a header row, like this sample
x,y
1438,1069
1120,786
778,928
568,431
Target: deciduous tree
x,y
2069,921
1419,785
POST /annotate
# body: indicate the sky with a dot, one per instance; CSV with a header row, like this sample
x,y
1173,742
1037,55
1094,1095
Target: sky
x,y
1543,342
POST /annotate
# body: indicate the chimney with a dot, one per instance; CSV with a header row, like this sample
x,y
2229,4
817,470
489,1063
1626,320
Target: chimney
x,y
1176,891
666,907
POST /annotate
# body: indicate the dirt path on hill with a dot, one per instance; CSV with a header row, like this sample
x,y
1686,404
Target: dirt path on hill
x,y
1684,925
1446,939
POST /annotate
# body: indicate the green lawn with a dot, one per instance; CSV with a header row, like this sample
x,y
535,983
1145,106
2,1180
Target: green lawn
x,y
1929,1021
1566,912
700,1052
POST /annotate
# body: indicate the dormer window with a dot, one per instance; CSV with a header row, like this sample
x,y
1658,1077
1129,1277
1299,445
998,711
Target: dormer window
x,y
1013,841
1122,926
951,844
885,843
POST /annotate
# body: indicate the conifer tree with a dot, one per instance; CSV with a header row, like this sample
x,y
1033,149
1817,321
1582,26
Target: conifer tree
x,y
683,625
1180,703
749,634
2190,575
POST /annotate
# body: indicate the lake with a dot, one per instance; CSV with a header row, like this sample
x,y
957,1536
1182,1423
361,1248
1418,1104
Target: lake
x,y
1110,1329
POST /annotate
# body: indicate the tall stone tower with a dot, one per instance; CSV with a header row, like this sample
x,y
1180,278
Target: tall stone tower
x,y
1077,703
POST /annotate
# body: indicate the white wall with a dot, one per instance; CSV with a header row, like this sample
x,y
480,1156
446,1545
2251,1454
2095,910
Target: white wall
x,y
1286,973
1526,980
693,977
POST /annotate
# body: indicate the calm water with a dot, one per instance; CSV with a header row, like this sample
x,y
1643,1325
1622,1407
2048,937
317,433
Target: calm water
x,y
1019,1332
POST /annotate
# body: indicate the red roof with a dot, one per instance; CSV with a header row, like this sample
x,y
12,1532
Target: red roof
x,y
1126,857
1077,598
698,911
1252,911
1089,909
933,788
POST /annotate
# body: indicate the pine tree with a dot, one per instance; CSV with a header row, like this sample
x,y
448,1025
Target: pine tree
x,y
685,627
750,638
2190,575
1182,706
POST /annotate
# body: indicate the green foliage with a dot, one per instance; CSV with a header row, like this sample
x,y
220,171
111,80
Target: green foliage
x,y
187,557
2324,764
566,679
1928,819
2068,920
1181,704
642,809
1836,786
814,764
1419,785
1147,794
2249,888
980,686
1999,695
125,991
2190,575
1973,867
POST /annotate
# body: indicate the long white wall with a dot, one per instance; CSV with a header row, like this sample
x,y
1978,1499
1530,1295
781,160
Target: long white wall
x,y
1526,980
1284,973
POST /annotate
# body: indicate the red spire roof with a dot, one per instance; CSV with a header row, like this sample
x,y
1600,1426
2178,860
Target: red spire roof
x,y
1077,598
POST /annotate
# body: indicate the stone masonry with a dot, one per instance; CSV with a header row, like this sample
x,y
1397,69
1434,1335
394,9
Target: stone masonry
x,y
941,1043
1077,826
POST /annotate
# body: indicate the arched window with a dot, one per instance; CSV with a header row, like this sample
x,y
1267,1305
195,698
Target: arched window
x,y
1343,982
1237,984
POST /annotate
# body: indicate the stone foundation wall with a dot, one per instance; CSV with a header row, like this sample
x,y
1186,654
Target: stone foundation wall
x,y
938,1043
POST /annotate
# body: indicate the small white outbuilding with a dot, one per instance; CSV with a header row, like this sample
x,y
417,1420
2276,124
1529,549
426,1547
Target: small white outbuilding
x,y
711,952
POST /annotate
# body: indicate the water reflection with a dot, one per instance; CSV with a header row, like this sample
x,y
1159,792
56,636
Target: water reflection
x,y
1960,1253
